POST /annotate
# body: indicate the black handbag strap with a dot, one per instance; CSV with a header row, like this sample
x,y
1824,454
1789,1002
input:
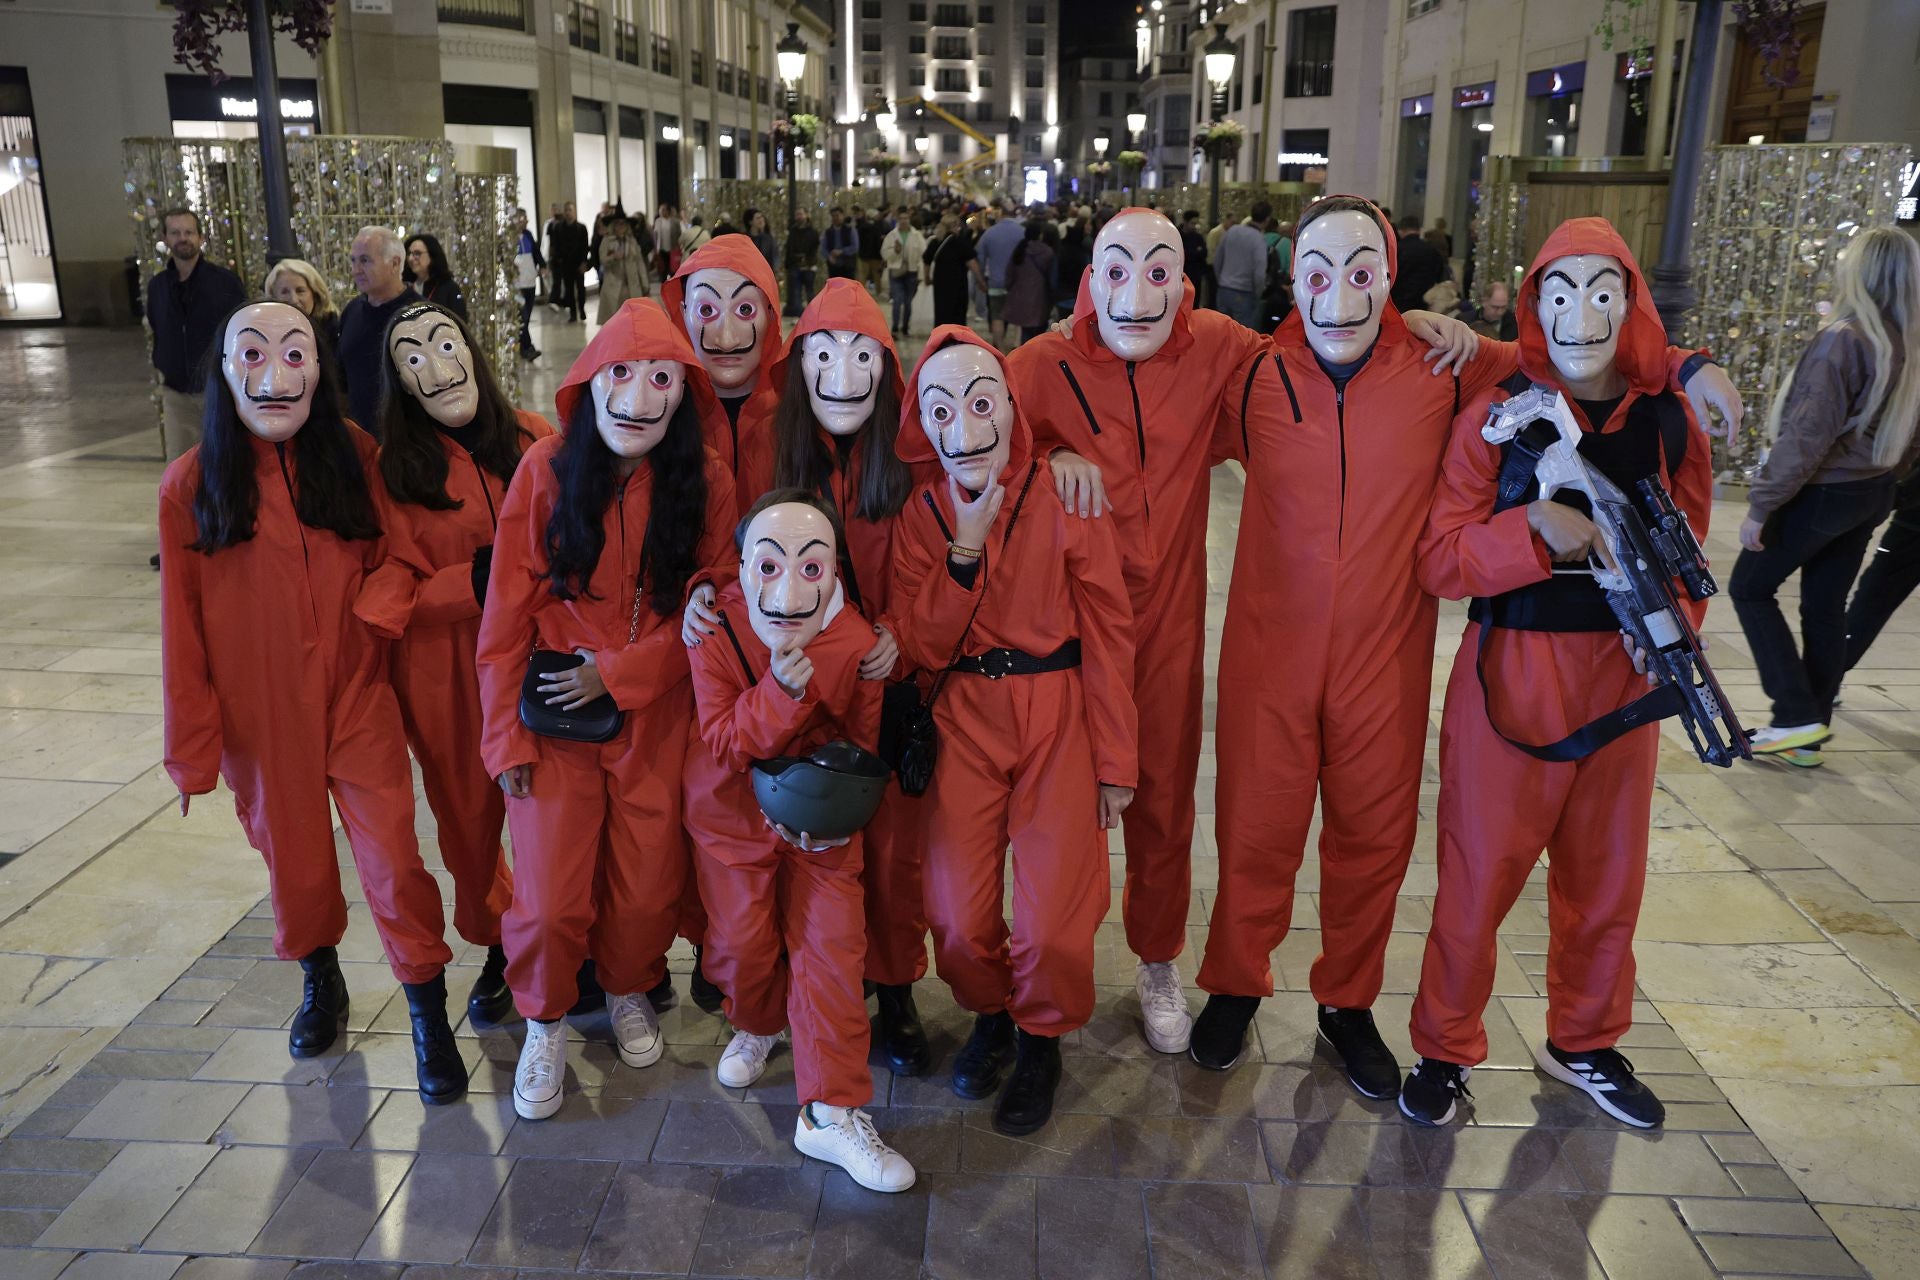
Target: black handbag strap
x,y
1656,704
738,651
959,646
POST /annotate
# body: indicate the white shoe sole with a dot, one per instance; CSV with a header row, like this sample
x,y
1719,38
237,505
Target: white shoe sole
x,y
800,1142
720,1074
645,1057
1453,1108
1549,1064
536,1109
1167,1044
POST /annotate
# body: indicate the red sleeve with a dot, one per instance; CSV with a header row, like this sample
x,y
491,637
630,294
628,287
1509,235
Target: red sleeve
x,y
936,610
1466,550
1050,411
192,732
1105,616
515,589
913,562
446,597
388,593
1230,415
742,722
1493,365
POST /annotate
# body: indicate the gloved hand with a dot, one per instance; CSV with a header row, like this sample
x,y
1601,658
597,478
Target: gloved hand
x,y
482,566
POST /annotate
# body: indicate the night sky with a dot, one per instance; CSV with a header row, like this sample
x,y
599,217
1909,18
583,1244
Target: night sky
x,y
1095,26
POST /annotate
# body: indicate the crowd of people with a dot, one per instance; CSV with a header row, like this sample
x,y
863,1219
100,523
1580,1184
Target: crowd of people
x,y
967,600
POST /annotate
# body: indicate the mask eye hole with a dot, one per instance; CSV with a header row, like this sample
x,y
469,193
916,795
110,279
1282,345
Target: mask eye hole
x,y
706,310
1603,299
1116,273
621,372
446,347
252,356
661,379
865,357
1362,277
823,357
982,406
1157,275
767,568
746,310
1317,281
415,360
295,358
812,571
1559,299
941,414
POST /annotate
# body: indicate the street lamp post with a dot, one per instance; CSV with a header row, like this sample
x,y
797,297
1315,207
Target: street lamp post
x,y
883,121
1136,127
920,144
1100,145
790,56
1673,292
1220,56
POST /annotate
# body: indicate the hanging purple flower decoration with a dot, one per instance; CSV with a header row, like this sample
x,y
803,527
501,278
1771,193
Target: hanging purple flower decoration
x,y
201,23
1769,26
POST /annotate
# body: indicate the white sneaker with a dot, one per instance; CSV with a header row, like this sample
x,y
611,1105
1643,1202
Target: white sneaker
x,y
636,1031
540,1078
1163,1007
745,1059
845,1136
1778,738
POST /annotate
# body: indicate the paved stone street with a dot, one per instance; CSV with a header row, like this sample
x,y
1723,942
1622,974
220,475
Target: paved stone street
x,y
152,1124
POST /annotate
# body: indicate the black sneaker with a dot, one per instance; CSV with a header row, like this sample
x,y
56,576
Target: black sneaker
x,y
589,994
983,1059
1607,1077
704,993
1220,1032
1432,1089
1370,1065
1027,1103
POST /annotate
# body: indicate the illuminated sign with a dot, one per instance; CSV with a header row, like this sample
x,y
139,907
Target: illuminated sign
x,y
1420,106
1554,81
1302,157
1473,95
1907,209
249,108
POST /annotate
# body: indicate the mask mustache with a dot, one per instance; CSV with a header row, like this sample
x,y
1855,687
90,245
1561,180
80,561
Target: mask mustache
x,y
1166,304
1314,317
774,615
747,350
295,398
1600,341
618,416
989,447
859,399
451,386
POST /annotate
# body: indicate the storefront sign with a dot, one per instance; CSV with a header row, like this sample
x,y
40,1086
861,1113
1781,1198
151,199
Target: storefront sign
x,y
1907,209
1473,95
1420,106
1638,64
192,98
249,108
1554,81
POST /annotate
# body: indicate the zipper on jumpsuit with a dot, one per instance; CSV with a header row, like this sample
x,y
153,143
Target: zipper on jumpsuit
x,y
306,560
1340,414
1140,434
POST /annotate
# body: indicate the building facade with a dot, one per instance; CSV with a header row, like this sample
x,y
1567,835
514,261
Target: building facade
x,y
979,77
1101,91
616,100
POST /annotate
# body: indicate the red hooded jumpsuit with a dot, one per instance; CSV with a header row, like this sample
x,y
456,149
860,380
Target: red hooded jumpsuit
x,y
1148,426
1500,806
437,622
786,932
890,870
600,860
1021,757
1326,661
744,444
273,684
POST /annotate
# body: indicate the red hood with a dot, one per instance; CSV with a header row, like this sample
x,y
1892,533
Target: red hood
x,y
845,306
639,330
912,444
1643,341
1293,330
735,253
1086,322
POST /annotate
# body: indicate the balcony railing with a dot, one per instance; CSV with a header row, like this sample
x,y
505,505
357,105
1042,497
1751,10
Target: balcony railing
x,y
583,26
626,42
509,15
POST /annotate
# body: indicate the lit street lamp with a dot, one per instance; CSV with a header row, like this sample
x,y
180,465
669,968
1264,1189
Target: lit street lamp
x,y
1100,145
790,57
1220,56
1136,125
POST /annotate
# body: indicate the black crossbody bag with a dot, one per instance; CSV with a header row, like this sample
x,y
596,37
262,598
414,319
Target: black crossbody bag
x,y
598,721
909,738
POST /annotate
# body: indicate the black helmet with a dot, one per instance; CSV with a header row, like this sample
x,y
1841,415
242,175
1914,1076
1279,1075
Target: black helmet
x,y
829,793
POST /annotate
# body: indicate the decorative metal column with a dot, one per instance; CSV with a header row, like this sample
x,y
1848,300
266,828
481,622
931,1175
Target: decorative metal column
x,y
278,192
1673,292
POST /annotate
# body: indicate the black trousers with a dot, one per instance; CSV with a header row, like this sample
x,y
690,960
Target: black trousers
x,y
1893,571
1822,534
526,313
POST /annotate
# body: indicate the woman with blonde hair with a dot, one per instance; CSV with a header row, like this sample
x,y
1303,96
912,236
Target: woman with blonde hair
x,y
299,283
1843,435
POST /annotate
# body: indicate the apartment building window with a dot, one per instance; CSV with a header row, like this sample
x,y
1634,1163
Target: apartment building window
x,y
986,77
723,77
917,74
1106,103
916,44
1033,108
983,43
870,42
1037,14
1036,75
986,15
1036,46
984,113
1033,142
697,66
951,80
1260,64
950,143
1417,7
870,10
949,47
1310,52
951,15
870,76
916,13
663,55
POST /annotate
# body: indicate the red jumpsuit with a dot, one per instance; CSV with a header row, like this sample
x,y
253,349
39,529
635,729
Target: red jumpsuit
x,y
1021,757
891,866
786,934
744,444
436,621
1499,807
600,860
273,684
1327,654
1148,426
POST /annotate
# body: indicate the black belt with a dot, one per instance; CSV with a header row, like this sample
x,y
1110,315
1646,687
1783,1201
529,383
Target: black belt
x,y
995,663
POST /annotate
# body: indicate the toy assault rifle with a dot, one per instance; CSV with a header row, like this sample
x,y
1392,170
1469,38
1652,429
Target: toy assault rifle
x,y
1650,542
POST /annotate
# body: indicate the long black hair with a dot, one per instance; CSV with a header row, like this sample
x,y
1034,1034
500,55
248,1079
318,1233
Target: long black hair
x,y
802,460
329,484
412,462
676,518
437,266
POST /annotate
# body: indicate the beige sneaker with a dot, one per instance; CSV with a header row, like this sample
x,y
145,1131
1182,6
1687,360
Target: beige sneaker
x,y
636,1031
540,1078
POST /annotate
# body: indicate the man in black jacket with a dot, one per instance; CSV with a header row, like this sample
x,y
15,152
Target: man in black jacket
x,y
1420,268
186,301
567,256
375,259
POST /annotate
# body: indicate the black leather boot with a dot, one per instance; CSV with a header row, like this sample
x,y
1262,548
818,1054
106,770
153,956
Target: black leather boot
x,y
903,1041
323,1005
1220,1032
437,1064
490,1001
705,994
1028,1102
983,1059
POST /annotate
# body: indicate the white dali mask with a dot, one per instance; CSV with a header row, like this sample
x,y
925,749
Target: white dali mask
x,y
844,369
268,360
435,364
967,412
634,402
1583,309
728,319
1340,283
1137,283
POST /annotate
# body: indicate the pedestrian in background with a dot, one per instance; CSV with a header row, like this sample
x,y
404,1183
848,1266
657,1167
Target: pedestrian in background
x,y
623,269
666,241
1893,571
1030,282
902,251
1240,268
762,237
528,266
567,254
803,260
186,301
1843,434
431,275
870,231
841,244
298,283
376,260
